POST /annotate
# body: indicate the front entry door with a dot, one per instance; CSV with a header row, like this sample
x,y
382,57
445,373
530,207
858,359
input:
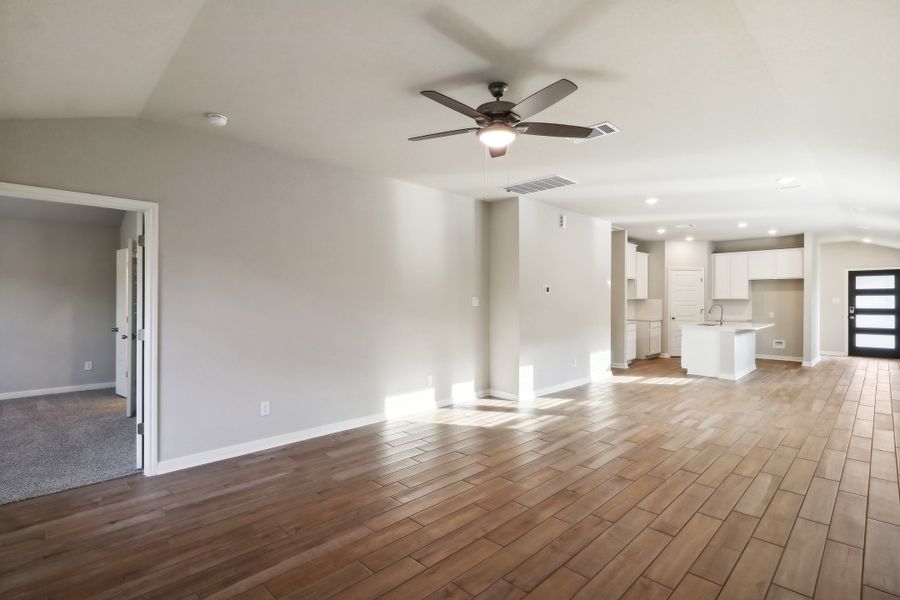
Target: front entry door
x,y
873,303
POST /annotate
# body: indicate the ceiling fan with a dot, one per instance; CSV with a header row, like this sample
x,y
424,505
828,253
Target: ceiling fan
x,y
499,122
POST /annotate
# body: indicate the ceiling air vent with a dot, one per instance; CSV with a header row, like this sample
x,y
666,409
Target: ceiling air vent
x,y
600,130
539,185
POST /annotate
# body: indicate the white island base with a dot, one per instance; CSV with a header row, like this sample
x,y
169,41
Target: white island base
x,y
725,351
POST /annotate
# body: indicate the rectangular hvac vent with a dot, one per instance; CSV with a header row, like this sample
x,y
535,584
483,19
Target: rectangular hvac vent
x,y
600,130
539,185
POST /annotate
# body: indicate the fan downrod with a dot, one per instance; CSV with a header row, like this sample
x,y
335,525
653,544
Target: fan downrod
x,y
497,89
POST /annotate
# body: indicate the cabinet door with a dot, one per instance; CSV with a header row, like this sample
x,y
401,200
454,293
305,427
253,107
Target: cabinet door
x,y
789,263
762,264
655,340
721,276
631,342
630,261
740,276
641,276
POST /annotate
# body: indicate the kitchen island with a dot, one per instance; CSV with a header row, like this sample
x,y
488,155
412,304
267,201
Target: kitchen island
x,y
726,351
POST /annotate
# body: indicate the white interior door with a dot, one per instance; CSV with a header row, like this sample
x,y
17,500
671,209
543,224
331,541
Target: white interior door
x,y
686,303
139,354
122,330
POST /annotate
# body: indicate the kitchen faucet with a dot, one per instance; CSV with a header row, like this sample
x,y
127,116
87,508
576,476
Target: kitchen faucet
x,y
721,313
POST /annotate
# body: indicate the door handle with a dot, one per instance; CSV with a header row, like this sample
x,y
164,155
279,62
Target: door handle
x,y
124,337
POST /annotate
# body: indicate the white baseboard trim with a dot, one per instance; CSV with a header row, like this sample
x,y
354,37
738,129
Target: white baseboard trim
x,y
776,357
57,390
501,395
811,363
619,365
553,389
664,355
831,353
210,456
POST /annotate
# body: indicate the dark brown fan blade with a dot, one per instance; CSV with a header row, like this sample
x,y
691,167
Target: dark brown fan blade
x,y
554,130
454,104
441,134
498,152
544,98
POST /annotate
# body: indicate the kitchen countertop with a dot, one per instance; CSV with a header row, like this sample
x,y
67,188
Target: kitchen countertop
x,y
730,326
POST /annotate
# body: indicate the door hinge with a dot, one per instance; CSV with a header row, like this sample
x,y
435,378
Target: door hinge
x,y
140,429
141,240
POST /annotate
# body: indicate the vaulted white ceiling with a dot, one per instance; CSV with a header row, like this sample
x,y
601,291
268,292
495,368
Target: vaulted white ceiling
x,y
715,99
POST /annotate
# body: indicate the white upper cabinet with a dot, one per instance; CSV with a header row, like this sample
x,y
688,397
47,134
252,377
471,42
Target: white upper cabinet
x,y
733,271
630,261
762,265
641,276
789,263
731,276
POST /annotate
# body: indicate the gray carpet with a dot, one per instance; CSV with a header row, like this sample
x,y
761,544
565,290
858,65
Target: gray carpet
x,y
53,443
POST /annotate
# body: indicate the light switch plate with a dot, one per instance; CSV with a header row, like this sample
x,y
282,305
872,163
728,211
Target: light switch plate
x,y
429,380
476,301
265,409
88,365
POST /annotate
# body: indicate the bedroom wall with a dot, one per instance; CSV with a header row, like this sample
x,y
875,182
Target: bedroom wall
x,y
57,304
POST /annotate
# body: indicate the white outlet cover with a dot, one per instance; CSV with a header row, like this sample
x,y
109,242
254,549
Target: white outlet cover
x,y
88,365
476,301
771,315
265,409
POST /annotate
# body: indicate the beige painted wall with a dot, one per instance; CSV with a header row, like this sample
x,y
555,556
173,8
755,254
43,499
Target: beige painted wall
x,y
57,304
618,294
322,290
784,299
834,260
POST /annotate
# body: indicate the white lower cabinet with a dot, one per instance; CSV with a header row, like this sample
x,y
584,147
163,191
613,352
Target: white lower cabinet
x,y
648,338
630,341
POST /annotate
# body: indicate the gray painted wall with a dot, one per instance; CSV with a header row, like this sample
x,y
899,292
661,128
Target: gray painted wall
x,y
504,291
834,260
57,304
564,335
320,289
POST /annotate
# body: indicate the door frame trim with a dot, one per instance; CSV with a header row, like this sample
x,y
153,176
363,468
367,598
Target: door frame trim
x,y
668,306
846,299
150,211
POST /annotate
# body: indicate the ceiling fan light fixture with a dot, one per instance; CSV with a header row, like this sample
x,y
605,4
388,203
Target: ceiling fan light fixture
x,y
497,135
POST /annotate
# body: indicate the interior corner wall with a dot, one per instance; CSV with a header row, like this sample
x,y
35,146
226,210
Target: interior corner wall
x,y
503,241
811,306
835,259
618,295
57,304
326,291
564,334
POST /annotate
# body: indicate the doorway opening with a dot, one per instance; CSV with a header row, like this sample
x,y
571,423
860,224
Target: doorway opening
x,y
78,330
873,301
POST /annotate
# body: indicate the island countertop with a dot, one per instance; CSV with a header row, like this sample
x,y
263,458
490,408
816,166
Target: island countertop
x,y
730,326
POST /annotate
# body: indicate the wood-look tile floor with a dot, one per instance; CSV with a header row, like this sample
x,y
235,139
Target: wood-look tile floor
x,y
647,485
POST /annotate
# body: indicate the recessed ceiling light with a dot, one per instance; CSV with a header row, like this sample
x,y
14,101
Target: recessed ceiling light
x,y
786,180
859,208
742,224
217,119
684,226
651,201
661,230
689,239
773,231
863,226
867,240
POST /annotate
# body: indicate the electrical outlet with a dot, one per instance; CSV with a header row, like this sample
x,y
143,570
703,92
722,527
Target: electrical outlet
x,y
429,380
88,365
265,409
476,301
546,289
771,315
